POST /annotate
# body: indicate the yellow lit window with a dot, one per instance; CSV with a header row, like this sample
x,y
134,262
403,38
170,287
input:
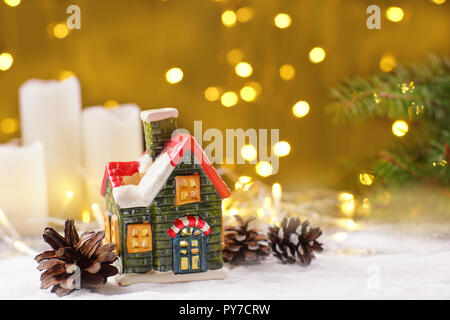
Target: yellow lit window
x,y
187,189
139,238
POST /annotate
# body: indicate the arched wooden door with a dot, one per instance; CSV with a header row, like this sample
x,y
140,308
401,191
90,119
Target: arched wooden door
x,y
189,251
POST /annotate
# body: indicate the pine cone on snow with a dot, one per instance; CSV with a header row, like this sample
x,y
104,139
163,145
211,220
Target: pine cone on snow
x,y
244,245
294,241
75,262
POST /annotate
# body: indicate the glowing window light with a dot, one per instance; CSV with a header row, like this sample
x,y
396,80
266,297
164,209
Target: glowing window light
x,y
400,128
174,75
86,216
229,18
282,20
287,72
387,62
234,56
395,14
300,109
60,31
12,3
70,194
6,61
282,148
317,55
248,94
244,14
249,152
212,94
264,169
229,99
244,69
65,74
366,178
9,125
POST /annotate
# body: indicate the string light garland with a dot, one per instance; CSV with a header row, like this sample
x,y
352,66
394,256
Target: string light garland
x,y
400,128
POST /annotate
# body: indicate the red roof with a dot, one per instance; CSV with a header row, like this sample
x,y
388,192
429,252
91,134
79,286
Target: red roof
x,y
116,170
175,149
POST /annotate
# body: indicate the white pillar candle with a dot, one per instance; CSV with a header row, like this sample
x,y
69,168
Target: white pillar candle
x,y
113,134
23,187
51,113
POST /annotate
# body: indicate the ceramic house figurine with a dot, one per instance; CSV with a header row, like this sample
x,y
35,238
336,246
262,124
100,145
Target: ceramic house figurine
x,y
164,210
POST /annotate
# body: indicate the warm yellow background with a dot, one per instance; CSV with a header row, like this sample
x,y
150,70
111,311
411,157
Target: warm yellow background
x,y
124,49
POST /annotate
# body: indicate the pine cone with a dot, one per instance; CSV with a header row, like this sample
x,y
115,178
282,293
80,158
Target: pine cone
x,y
294,241
244,245
75,263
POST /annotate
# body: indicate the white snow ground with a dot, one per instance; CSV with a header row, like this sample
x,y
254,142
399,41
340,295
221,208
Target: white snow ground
x,y
377,263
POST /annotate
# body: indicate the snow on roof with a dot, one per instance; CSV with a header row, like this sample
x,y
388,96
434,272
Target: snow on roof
x,y
159,114
159,171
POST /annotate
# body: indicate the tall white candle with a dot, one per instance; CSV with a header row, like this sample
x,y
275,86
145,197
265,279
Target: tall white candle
x,y
109,135
51,113
23,187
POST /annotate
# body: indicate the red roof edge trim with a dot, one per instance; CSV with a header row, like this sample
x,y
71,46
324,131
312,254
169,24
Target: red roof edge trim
x,y
182,142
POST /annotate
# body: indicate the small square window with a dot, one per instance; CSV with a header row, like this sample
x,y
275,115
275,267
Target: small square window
x,y
139,238
187,189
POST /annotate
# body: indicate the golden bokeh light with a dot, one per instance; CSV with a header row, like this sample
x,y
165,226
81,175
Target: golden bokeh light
x,y
12,3
244,14
264,169
366,178
287,72
340,236
9,125
65,74
248,94
229,18
70,194
276,190
60,31
86,216
229,99
438,1
255,85
249,152
317,55
282,20
212,94
345,196
244,69
395,14
6,61
174,75
387,62
300,109
400,128
234,56
111,104
282,148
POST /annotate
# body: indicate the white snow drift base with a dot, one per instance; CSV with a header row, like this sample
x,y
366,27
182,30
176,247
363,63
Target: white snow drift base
x,y
169,277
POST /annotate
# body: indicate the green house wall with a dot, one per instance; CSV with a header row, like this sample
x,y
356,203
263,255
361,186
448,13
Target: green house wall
x,y
162,213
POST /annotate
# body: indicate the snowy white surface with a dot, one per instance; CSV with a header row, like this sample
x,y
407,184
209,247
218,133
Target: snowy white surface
x,y
379,263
